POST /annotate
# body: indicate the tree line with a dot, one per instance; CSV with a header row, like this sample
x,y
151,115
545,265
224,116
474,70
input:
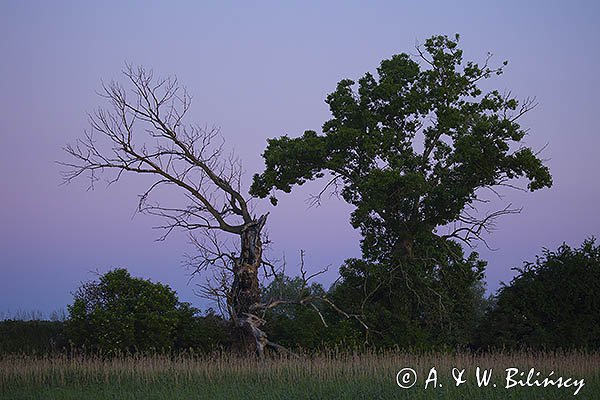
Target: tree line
x,y
550,304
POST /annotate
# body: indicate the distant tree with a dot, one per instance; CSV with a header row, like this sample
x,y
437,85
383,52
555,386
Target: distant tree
x,y
414,149
119,312
32,336
202,333
307,316
294,323
552,303
301,313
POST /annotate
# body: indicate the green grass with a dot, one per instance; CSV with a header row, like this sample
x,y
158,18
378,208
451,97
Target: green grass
x,y
325,376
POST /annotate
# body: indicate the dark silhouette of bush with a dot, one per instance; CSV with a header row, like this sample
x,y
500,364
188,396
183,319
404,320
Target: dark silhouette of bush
x,y
551,304
204,333
32,337
122,313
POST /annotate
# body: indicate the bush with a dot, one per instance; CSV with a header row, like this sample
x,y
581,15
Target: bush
x,y
32,337
127,314
552,303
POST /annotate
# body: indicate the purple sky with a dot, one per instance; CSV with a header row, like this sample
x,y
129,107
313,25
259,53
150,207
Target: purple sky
x,y
259,70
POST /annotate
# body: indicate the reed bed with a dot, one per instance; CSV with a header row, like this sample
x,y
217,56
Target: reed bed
x,y
329,374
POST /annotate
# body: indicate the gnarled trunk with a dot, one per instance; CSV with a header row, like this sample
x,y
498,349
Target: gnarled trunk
x,y
245,291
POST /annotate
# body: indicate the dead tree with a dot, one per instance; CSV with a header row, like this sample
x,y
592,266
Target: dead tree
x,y
143,131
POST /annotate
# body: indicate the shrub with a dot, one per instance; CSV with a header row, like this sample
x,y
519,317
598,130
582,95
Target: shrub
x,y
123,313
552,303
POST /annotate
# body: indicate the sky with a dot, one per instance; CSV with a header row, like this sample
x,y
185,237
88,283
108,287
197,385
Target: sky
x,y
260,70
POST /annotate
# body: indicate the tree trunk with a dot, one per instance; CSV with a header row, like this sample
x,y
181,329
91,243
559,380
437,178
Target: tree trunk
x,y
245,291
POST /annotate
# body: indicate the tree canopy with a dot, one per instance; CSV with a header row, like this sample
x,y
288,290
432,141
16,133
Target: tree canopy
x,y
411,148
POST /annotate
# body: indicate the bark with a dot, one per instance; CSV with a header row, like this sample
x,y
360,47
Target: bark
x,y
245,291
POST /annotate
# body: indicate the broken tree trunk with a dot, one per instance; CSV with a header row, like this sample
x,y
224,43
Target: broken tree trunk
x,y
245,291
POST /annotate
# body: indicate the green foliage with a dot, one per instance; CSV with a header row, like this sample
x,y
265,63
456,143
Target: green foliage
x,y
395,315
411,148
32,337
202,333
123,313
287,289
552,303
292,324
420,306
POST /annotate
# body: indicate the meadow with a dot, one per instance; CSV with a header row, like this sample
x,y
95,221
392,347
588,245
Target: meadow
x,y
327,375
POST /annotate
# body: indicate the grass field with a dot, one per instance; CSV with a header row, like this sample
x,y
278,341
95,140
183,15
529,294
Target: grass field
x,y
330,375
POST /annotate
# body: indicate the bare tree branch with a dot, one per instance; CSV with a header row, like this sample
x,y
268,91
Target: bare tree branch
x,y
143,130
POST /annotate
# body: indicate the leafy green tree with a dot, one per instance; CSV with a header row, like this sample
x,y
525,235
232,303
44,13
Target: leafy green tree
x,y
304,319
292,323
119,312
204,333
289,291
32,336
552,303
413,148
421,306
